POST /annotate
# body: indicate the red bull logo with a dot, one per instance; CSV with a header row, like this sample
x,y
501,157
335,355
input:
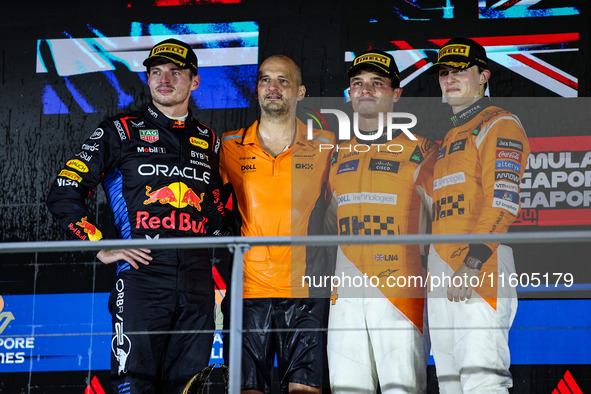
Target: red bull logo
x,y
190,198
182,222
94,234
178,124
176,194
164,195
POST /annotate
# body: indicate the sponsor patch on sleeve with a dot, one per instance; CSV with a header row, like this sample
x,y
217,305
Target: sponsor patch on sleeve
x,y
507,196
77,165
507,176
502,185
508,154
507,206
507,165
71,175
510,144
506,200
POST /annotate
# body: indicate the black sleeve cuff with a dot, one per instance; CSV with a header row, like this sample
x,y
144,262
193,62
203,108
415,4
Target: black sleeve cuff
x,y
480,251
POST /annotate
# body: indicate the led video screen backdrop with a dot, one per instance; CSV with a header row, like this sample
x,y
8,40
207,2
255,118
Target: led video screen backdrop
x,y
67,66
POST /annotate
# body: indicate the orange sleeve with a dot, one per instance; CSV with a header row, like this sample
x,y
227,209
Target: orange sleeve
x,y
503,153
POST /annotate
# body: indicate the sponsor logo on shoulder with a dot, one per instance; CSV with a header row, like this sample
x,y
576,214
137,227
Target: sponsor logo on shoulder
x,y
199,142
203,132
507,176
66,182
120,130
91,148
137,124
442,153
457,146
417,156
511,144
84,156
502,185
77,165
368,198
97,134
507,165
70,175
451,179
348,166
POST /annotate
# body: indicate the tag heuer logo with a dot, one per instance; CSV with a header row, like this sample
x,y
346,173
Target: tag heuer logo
x,y
149,135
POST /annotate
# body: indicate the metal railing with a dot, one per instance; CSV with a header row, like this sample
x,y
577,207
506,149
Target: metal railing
x,y
239,245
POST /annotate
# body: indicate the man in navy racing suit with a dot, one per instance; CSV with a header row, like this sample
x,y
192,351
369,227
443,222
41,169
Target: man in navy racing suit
x,y
159,170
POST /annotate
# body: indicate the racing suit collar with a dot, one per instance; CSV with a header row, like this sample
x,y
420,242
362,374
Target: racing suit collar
x,y
162,120
250,134
470,112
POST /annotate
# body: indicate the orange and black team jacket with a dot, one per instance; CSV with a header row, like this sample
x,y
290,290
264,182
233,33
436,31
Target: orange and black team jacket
x,y
278,196
383,192
476,184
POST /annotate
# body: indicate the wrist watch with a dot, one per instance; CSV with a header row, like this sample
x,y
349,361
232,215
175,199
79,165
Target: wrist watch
x,y
473,262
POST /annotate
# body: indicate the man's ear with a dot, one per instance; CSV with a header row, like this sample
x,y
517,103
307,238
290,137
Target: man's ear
x,y
195,82
301,92
484,76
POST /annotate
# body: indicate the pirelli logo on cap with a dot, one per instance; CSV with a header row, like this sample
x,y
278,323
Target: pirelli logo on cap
x,y
456,49
373,57
170,48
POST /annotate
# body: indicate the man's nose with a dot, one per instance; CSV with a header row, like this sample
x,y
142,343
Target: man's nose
x,y
367,87
273,85
165,77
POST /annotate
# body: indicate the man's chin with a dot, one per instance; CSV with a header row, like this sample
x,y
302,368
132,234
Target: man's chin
x,y
275,109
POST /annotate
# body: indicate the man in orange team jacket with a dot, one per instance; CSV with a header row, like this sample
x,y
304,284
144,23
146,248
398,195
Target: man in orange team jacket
x,y
278,176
